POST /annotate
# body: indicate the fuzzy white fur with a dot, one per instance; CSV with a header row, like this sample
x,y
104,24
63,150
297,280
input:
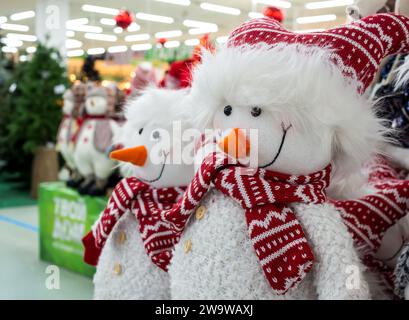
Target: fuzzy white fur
x,y
140,278
222,263
325,107
330,122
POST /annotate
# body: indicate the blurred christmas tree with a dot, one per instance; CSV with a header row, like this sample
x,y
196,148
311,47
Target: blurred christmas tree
x,y
34,104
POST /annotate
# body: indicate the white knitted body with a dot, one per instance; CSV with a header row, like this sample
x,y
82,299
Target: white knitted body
x,y
139,277
64,145
222,263
88,159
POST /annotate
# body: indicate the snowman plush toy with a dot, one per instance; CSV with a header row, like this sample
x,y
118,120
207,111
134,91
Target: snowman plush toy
x,y
130,246
268,232
94,139
68,129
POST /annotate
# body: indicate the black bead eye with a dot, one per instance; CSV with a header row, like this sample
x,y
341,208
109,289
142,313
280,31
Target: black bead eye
x,y
227,110
156,135
140,131
255,111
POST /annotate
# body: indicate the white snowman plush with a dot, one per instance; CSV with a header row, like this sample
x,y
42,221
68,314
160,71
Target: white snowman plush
x,y
68,129
303,95
94,138
124,266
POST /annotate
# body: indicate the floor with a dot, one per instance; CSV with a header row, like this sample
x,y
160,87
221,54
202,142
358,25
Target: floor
x,y
22,274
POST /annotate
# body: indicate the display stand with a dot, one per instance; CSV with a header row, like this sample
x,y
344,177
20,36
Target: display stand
x,y
65,217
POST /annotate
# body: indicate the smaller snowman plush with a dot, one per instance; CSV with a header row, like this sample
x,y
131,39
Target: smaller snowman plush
x,y
129,245
94,139
68,130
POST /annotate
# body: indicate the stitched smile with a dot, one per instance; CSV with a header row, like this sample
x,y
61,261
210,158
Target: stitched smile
x,y
280,148
161,171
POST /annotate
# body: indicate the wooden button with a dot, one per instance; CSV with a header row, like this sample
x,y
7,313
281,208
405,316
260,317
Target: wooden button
x,y
117,269
200,212
122,237
187,245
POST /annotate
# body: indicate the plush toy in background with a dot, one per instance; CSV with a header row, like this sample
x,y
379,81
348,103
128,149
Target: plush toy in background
x,y
144,77
179,75
271,234
128,230
94,139
68,130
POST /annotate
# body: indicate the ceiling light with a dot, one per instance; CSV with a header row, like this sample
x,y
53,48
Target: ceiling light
x,y
22,15
276,3
101,37
118,30
31,49
9,49
95,51
14,27
328,4
141,47
137,37
172,44
168,34
3,19
153,17
117,49
69,33
22,37
85,28
222,39
255,15
314,19
79,21
197,24
203,30
23,58
219,8
72,44
12,42
107,22
192,42
133,27
75,53
177,2
98,9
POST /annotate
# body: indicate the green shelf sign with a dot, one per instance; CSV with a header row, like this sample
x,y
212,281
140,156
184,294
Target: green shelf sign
x,y
65,217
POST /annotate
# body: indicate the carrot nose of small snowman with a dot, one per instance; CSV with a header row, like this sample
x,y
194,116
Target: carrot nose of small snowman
x,y
236,144
136,155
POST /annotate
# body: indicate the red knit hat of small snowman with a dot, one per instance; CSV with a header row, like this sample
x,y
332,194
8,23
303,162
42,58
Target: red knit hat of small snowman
x,y
357,48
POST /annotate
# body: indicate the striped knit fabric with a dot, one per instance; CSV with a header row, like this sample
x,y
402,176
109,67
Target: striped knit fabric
x,y
357,48
132,194
371,216
277,236
368,218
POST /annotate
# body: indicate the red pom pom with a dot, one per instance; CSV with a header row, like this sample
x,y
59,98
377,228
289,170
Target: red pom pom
x,y
162,41
123,19
274,13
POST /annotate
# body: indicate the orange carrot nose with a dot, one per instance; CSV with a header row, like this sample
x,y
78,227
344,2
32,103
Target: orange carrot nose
x,y
136,155
236,144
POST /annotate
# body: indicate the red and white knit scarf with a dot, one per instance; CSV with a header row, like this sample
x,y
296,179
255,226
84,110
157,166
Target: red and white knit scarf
x,y
276,234
133,194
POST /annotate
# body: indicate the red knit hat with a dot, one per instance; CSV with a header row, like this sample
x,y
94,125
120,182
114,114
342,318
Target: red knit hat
x,y
357,48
